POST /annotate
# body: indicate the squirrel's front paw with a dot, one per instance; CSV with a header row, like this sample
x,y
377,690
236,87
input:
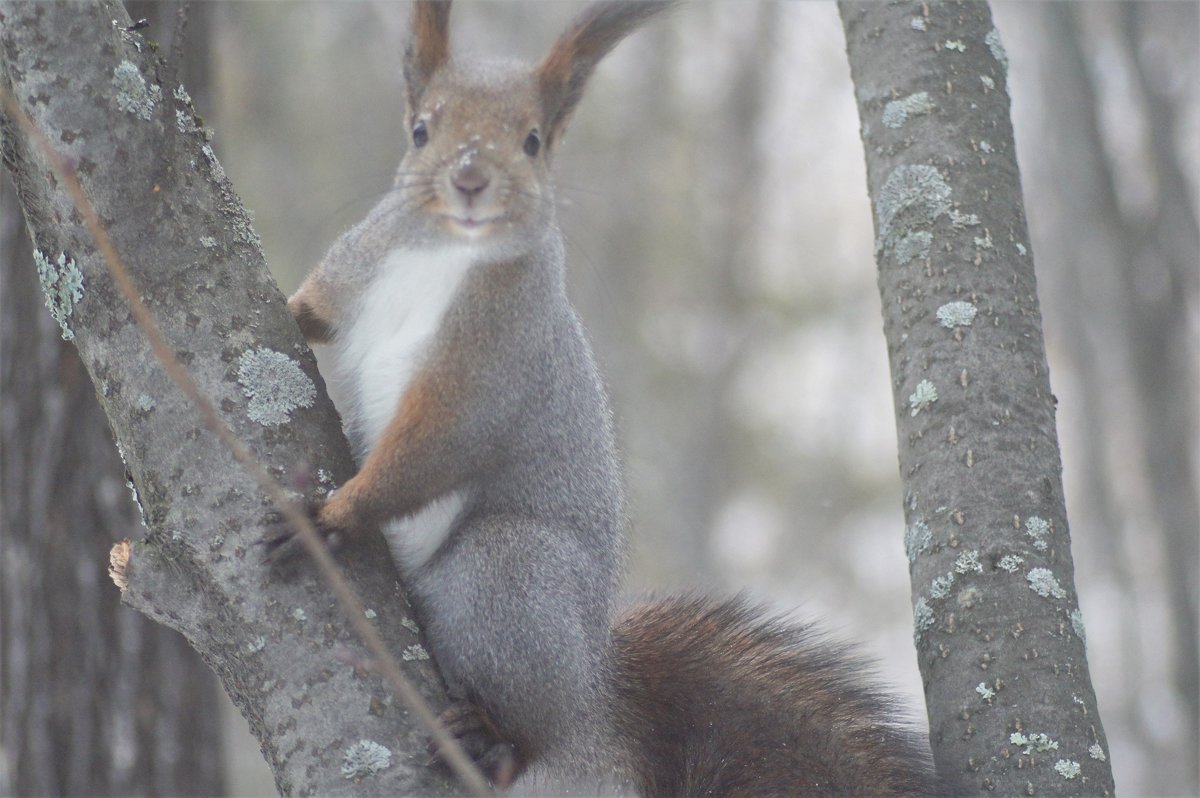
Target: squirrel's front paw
x,y
281,540
496,758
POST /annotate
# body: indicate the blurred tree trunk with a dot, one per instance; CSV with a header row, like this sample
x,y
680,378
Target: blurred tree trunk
x,y
279,642
720,253
998,630
1160,284
98,699
682,283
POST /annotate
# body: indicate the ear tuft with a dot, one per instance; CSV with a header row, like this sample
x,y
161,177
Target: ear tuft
x,y
565,70
428,46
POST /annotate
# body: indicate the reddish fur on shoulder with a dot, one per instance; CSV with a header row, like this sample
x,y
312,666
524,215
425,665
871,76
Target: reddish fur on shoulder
x,y
309,311
719,699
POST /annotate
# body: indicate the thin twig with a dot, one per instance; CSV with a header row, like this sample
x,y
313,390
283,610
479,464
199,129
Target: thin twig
x,y
350,604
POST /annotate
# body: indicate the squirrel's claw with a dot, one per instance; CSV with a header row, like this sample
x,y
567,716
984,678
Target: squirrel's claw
x,y
281,541
496,758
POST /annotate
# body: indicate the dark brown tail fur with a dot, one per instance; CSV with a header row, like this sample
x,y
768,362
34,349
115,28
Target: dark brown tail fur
x,y
716,698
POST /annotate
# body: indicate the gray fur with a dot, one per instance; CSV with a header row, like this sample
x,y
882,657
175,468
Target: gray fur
x,y
517,603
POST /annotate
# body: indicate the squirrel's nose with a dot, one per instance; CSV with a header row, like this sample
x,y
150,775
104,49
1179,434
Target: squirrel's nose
x,y
470,180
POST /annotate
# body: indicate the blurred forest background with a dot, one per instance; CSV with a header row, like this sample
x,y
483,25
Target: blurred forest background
x,y
714,201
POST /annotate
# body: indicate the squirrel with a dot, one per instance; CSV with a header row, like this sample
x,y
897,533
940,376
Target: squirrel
x,y
487,456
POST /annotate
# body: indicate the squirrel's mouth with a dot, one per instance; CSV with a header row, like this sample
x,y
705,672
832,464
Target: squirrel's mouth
x,y
471,226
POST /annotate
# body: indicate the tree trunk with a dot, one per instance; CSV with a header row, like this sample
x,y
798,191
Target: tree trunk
x,y
998,630
281,647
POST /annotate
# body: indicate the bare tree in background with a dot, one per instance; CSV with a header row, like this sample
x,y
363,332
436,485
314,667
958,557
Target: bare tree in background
x,y
999,632
682,280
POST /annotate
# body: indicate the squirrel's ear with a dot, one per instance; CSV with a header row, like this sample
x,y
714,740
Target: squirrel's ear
x,y
428,46
565,70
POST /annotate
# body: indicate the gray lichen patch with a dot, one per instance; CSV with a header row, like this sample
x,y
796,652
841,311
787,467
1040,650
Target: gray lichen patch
x,y
924,396
1037,529
62,283
134,95
917,538
365,758
992,40
960,219
923,617
211,156
1010,563
912,197
913,245
1033,743
1043,582
274,384
956,314
238,218
897,112
1068,769
185,122
940,587
1077,625
968,563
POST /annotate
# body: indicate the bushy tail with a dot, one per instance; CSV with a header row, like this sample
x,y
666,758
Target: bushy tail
x,y
717,698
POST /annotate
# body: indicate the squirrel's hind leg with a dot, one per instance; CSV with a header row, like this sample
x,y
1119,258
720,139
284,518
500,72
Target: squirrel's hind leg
x,y
508,638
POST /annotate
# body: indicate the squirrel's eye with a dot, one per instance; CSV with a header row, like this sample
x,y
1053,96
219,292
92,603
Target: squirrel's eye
x,y
420,135
533,143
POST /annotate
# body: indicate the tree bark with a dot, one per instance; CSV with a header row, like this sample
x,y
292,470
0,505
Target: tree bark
x,y
284,652
998,630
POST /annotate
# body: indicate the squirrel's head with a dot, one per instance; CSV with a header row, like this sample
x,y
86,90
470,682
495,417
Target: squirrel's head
x,y
482,134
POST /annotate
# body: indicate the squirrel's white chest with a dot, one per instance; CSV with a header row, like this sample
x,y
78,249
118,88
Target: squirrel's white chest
x,y
382,347
376,356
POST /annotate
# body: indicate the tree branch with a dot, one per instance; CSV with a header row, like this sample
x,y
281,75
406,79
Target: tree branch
x,y
278,644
